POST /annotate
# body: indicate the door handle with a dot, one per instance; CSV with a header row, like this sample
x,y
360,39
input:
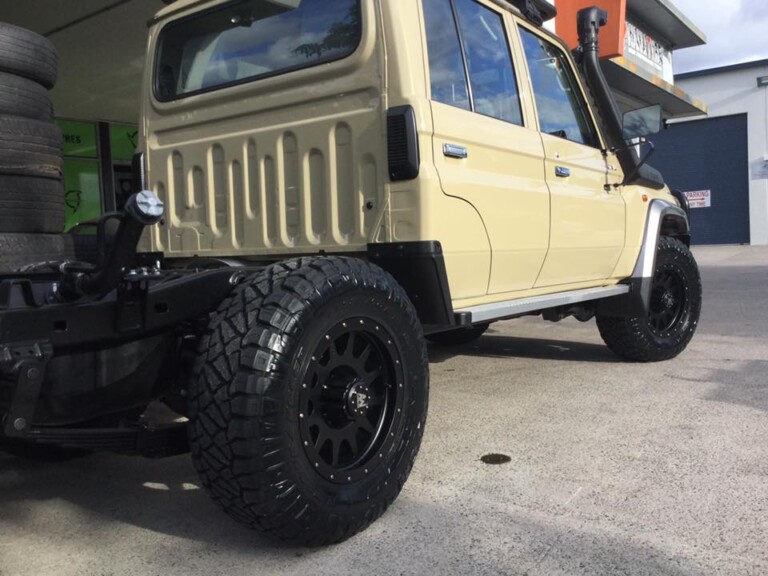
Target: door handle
x,y
454,151
562,172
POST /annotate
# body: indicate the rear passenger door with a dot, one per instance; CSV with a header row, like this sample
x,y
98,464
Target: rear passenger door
x,y
483,151
588,213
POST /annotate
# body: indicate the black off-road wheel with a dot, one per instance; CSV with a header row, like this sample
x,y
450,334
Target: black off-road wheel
x,y
460,336
309,399
673,315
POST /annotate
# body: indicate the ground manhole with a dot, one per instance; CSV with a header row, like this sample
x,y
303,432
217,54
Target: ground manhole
x,y
496,459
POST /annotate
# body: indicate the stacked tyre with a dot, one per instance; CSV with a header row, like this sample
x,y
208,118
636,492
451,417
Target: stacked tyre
x,y
32,203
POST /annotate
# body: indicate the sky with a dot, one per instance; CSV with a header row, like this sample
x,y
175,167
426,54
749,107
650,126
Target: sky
x,y
736,32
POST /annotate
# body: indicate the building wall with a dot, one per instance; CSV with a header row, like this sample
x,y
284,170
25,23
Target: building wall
x,y
736,92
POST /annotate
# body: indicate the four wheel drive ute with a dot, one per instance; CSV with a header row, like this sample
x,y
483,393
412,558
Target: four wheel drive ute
x,y
323,186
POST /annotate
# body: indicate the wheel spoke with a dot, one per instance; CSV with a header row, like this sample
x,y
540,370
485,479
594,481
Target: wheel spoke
x,y
351,439
365,424
371,376
335,451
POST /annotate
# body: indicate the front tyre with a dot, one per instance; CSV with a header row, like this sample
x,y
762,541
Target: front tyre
x,y
673,315
309,399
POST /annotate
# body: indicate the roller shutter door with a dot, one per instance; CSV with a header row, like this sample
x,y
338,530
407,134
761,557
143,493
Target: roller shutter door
x,y
710,155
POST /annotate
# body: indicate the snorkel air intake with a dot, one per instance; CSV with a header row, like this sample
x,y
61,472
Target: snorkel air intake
x,y
590,20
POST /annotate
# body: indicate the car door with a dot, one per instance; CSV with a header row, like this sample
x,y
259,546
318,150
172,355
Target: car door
x,y
483,151
587,228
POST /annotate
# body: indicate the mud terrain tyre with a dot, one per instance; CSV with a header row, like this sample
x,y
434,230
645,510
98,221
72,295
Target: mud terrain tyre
x,y
28,54
460,336
675,304
25,98
309,399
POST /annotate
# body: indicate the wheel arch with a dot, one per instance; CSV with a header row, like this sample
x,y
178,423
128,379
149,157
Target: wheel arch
x,y
664,219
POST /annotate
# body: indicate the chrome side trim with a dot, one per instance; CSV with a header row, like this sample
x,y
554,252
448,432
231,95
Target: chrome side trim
x,y
510,308
646,262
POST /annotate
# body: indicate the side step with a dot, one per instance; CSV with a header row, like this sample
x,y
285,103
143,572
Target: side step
x,y
513,308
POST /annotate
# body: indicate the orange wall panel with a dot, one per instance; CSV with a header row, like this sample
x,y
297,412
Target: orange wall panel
x,y
611,36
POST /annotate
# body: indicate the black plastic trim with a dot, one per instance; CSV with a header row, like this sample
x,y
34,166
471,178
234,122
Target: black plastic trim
x,y
419,267
402,144
535,11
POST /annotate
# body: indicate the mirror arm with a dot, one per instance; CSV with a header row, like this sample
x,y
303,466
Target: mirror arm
x,y
642,162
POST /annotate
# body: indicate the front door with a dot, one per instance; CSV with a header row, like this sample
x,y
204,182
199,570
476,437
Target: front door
x,y
588,213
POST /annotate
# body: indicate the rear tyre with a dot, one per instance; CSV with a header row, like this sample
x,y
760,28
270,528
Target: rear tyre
x,y
28,54
31,204
669,324
25,98
459,336
309,399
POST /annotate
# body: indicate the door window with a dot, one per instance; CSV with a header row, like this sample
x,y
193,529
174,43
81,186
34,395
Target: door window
x,y
561,106
479,47
446,64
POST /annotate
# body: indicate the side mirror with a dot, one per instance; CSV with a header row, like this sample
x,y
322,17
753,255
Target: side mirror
x,y
643,122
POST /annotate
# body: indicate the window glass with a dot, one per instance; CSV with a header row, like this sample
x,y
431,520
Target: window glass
x,y
561,107
446,67
251,39
491,75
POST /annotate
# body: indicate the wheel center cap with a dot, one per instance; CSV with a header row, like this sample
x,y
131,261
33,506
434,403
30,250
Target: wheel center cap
x,y
668,300
358,399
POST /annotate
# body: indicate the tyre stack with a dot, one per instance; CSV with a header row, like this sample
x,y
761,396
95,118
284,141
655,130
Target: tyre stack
x,y
32,202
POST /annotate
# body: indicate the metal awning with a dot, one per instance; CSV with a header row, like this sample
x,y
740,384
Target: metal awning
x,y
639,87
667,23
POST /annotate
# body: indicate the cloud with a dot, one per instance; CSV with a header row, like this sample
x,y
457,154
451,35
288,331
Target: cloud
x,y
735,33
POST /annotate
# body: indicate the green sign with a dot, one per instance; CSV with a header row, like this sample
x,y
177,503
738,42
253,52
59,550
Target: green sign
x,y
83,191
123,139
79,138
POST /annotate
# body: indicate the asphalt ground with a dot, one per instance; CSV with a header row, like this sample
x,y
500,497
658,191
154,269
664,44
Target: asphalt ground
x,y
615,468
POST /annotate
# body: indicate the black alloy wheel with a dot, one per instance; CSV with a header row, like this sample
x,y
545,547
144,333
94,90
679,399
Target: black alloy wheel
x,y
351,400
668,300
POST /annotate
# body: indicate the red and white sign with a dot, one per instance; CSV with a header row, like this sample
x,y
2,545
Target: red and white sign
x,y
699,198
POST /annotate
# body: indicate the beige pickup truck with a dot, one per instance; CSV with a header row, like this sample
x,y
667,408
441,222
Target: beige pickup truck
x,y
344,180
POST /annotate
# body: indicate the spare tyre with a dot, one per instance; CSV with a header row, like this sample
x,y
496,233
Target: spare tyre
x,y
28,54
31,204
23,97
19,250
30,148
